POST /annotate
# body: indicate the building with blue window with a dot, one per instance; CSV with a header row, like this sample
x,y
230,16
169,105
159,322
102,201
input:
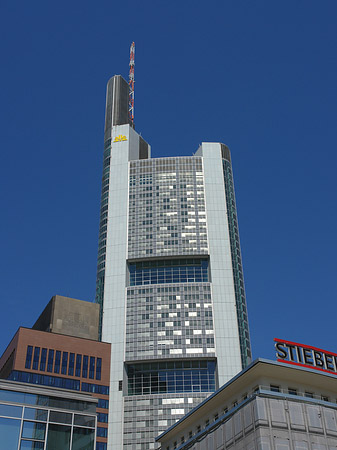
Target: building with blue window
x,y
56,359
169,278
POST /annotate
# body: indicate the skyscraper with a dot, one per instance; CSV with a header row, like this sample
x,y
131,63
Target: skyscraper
x,y
169,278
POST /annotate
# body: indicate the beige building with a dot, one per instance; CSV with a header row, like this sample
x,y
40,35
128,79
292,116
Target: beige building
x,y
269,405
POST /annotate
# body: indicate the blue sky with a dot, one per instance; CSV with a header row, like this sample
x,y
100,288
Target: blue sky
x,y
258,76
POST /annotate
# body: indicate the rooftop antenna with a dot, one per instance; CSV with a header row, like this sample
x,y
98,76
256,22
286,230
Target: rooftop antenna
x,y
132,83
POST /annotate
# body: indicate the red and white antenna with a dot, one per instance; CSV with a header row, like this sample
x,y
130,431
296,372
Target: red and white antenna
x,y
132,83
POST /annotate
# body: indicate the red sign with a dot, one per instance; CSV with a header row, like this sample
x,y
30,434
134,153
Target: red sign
x,y
305,356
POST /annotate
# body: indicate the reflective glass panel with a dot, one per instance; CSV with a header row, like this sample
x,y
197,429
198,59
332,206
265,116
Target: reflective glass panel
x,y
58,437
31,445
10,411
36,414
60,417
83,439
9,432
33,430
85,421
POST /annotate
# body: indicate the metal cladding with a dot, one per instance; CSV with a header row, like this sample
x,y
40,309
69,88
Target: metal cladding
x,y
117,104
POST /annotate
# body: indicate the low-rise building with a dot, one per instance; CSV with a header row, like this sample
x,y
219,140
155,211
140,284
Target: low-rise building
x,y
64,356
269,405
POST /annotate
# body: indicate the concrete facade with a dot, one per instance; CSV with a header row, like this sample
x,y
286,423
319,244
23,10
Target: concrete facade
x,y
69,316
269,406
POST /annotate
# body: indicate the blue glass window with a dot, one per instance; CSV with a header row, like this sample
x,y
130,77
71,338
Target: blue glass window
x,y
36,358
9,432
34,430
98,368
71,364
85,366
45,380
92,367
102,417
102,432
101,446
171,377
95,388
57,361
78,365
189,270
43,359
29,357
31,445
64,363
50,361
102,403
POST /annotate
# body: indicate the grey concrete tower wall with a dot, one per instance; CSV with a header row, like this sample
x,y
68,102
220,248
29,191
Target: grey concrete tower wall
x,y
232,345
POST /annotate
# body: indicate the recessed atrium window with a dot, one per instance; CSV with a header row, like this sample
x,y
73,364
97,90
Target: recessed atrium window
x,y
169,271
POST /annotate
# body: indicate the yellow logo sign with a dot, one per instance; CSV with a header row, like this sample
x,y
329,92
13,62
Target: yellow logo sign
x,y
120,138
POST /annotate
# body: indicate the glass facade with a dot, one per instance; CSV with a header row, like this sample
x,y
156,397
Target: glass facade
x,y
169,271
240,296
172,321
103,226
166,208
25,427
171,377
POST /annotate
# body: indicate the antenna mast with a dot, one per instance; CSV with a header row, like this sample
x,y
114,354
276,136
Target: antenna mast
x,y
132,83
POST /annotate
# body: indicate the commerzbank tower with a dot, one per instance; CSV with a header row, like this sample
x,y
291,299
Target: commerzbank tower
x,y
169,278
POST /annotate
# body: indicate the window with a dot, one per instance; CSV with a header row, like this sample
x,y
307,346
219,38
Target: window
x,y
292,391
64,363
274,388
71,364
102,417
101,446
50,361
102,403
45,380
29,357
102,432
57,361
78,365
171,377
43,359
85,366
92,367
169,271
309,394
98,368
36,358
325,398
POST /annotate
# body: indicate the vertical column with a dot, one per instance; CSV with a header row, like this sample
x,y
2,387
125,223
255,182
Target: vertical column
x,y
227,341
113,325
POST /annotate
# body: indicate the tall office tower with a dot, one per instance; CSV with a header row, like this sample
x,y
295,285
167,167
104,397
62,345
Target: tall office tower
x,y
169,278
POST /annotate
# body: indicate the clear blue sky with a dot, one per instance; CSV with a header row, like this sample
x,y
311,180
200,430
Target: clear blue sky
x,y
259,76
